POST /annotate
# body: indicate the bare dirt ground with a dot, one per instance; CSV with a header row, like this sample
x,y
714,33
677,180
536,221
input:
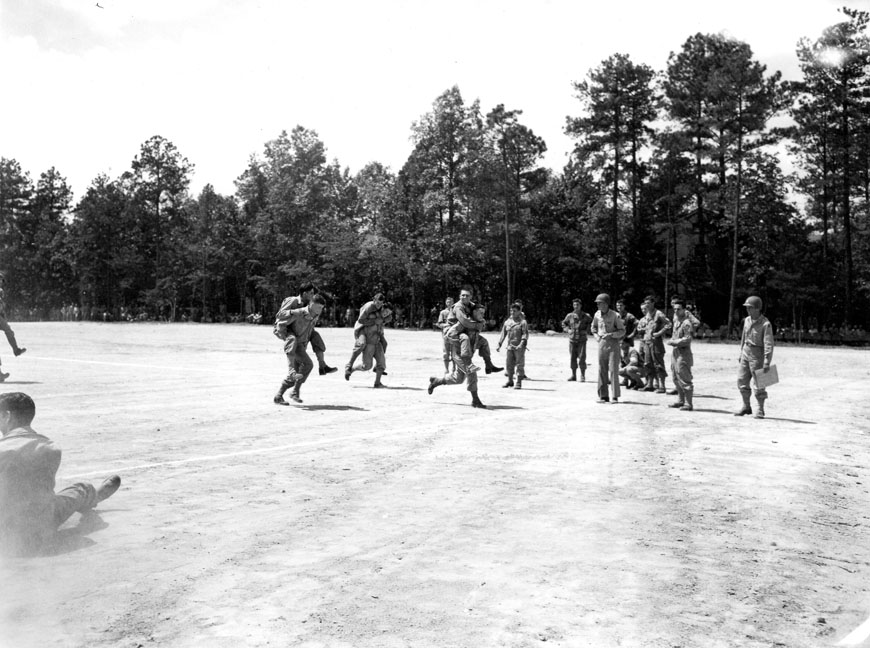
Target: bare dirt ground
x,y
393,518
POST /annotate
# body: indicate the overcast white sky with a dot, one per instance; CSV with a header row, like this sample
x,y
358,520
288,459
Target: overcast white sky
x,y
85,83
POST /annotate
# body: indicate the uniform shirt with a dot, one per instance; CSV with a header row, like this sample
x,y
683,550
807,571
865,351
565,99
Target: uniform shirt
x,y
516,332
630,328
654,323
758,335
28,465
443,316
577,326
462,315
609,322
299,323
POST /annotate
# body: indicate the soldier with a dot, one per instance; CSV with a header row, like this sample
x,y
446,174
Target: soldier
x,y
306,292
608,329
654,325
462,312
756,352
576,325
374,349
442,324
633,371
463,370
295,328
681,356
4,326
627,342
516,332
695,324
368,314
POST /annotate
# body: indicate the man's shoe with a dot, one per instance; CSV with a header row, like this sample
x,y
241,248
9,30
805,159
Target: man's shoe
x,y
432,384
615,401
108,488
509,383
295,398
759,414
475,402
649,388
686,408
583,378
19,351
661,390
603,400
326,369
279,400
519,384
3,376
347,373
491,368
743,411
677,405
572,379
379,385
670,392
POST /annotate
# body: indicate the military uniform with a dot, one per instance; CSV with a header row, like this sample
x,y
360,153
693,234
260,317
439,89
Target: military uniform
x,y
682,360
516,333
463,315
443,325
608,329
295,328
577,328
756,352
654,327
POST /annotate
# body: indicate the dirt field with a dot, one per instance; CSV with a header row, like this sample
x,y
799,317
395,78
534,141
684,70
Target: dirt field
x,y
370,518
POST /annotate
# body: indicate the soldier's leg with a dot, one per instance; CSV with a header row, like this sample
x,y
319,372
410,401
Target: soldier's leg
x,y
359,344
368,357
581,357
744,380
573,353
319,347
380,364
603,371
510,365
681,399
520,359
10,336
76,498
291,377
614,370
482,347
446,353
303,366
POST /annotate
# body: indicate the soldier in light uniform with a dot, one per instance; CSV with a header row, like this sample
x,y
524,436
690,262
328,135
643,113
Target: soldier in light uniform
x,y
462,311
374,349
462,369
576,325
295,328
681,356
695,324
756,352
442,324
516,332
608,329
654,325
368,314
306,292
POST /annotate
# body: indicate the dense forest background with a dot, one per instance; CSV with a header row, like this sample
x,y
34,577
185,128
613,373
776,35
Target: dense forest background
x,y
677,184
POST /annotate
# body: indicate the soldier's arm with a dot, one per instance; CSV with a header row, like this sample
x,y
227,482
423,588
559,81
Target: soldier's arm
x,y
767,331
524,335
502,335
467,322
566,323
618,329
682,335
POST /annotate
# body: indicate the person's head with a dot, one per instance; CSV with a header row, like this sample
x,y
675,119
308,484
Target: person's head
x,y
679,305
516,310
465,295
307,291
478,312
449,302
317,304
386,309
603,302
620,306
16,410
753,306
378,299
649,304
578,306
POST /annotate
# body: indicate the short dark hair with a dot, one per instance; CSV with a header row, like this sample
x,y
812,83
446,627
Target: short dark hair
x,y
577,300
517,305
467,288
650,299
307,287
19,404
318,299
620,301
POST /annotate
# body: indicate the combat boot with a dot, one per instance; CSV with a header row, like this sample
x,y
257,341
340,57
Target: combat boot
x,y
519,383
491,368
747,408
759,413
475,401
294,396
108,488
573,377
433,383
509,383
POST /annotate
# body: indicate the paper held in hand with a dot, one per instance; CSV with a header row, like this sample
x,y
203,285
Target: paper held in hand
x,y
764,380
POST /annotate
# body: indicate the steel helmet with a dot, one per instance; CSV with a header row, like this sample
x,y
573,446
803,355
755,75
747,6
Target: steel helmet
x,y
603,297
753,301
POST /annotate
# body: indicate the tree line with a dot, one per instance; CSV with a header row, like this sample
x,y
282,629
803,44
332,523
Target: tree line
x,y
675,185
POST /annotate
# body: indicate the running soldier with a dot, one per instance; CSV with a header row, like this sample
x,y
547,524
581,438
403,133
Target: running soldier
x,y
576,325
442,324
463,370
306,292
375,346
608,329
462,312
295,328
681,356
627,343
756,352
654,325
4,326
516,332
368,314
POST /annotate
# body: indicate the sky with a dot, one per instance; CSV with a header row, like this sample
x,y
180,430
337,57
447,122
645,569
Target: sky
x,y
87,82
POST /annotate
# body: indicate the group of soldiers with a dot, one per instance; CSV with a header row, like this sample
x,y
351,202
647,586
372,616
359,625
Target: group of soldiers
x,y
630,349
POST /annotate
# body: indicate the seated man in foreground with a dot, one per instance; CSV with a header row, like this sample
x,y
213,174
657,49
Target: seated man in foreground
x,y
30,511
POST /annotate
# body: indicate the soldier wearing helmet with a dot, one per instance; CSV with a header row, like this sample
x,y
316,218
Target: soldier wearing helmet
x,y
756,352
608,328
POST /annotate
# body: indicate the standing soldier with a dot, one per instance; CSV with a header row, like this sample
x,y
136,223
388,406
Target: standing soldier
x,y
756,352
627,342
306,292
681,356
516,332
695,324
295,328
654,325
442,324
576,325
608,329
